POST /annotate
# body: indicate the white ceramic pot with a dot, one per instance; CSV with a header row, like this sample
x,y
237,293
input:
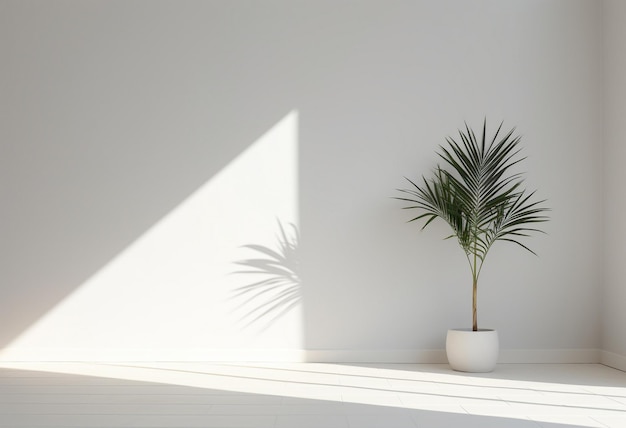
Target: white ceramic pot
x,y
472,351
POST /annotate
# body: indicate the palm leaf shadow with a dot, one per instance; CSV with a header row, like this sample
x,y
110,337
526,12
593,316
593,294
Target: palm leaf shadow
x,y
279,290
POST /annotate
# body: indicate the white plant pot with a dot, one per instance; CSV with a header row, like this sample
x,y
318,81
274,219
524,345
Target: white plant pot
x,y
472,351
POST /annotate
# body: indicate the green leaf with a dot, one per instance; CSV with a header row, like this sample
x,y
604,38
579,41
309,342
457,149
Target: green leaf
x,y
477,193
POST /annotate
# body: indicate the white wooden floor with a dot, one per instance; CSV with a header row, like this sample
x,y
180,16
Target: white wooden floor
x,y
309,396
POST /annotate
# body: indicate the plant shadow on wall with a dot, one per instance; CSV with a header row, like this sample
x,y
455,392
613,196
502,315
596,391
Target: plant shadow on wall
x,y
276,286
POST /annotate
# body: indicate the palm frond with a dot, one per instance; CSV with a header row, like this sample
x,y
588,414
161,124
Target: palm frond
x,y
478,193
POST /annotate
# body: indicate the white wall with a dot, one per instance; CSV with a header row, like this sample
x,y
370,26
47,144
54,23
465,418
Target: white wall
x,y
114,113
614,342
420,70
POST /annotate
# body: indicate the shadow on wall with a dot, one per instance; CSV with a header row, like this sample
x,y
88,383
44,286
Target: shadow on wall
x,y
279,290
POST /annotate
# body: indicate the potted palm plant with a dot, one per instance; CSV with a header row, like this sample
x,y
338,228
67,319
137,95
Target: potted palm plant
x,y
478,194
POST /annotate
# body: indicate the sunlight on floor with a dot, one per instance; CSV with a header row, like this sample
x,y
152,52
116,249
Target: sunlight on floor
x,y
526,395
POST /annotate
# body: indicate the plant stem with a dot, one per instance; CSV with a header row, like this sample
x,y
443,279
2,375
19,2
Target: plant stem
x,y
474,296
474,290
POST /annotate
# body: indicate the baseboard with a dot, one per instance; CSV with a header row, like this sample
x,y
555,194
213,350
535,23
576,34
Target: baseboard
x,y
411,356
438,356
614,360
159,355
227,355
428,356
549,356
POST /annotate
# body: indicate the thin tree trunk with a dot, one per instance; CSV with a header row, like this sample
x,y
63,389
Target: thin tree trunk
x,y
474,298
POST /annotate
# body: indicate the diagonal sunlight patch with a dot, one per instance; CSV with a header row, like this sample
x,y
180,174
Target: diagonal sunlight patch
x,y
168,296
